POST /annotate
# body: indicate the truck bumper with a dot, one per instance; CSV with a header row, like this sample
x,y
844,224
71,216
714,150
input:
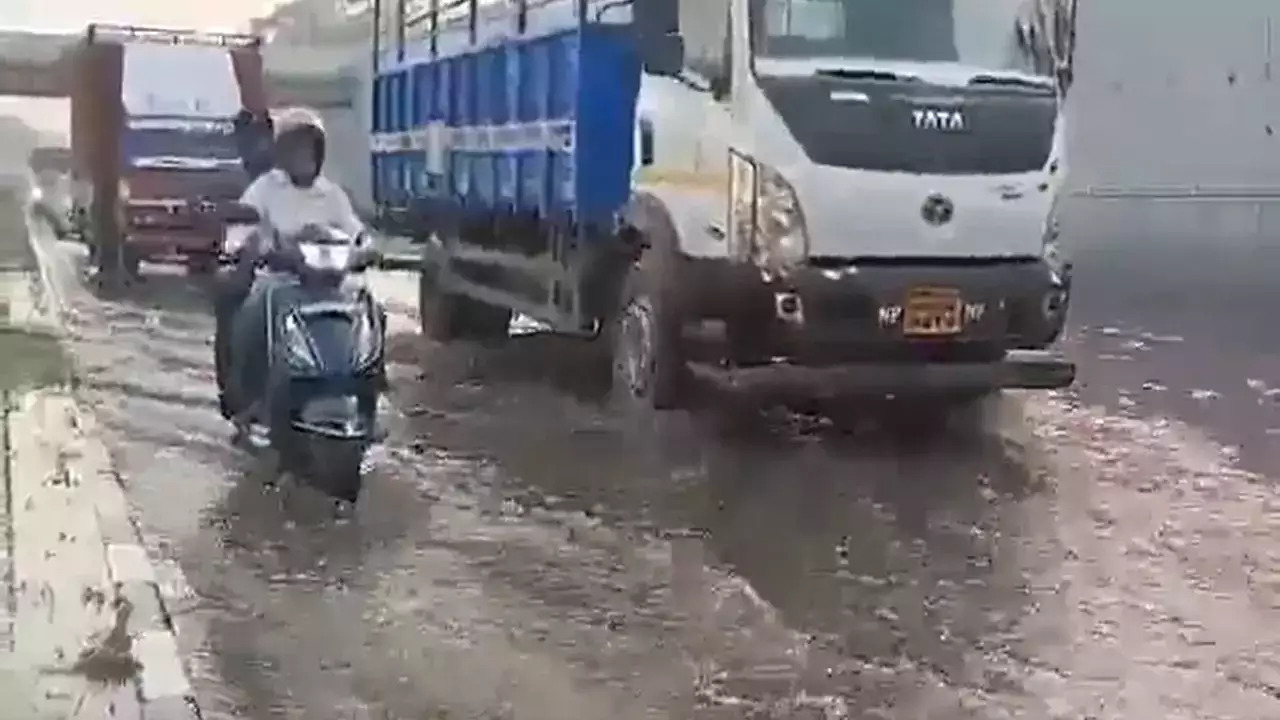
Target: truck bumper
x,y
1019,369
847,327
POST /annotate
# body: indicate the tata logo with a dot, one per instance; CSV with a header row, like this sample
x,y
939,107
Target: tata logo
x,y
938,119
937,210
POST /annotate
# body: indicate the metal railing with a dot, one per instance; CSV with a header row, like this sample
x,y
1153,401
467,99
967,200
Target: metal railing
x,y
1176,193
426,19
166,36
1211,213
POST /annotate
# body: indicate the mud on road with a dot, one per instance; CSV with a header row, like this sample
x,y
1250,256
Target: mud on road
x,y
521,553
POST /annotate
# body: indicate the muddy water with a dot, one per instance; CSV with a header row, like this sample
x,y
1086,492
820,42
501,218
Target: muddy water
x,y
520,552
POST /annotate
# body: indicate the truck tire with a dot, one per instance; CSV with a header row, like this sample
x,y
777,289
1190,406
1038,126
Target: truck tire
x,y
130,262
649,368
445,317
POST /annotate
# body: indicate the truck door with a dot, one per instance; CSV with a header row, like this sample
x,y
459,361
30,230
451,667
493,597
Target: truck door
x,y
689,122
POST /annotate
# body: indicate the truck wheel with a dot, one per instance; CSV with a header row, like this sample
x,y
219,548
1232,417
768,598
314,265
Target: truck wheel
x,y
130,261
445,316
648,362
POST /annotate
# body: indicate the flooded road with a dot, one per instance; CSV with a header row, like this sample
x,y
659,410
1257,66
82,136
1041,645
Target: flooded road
x,y
520,553
1176,319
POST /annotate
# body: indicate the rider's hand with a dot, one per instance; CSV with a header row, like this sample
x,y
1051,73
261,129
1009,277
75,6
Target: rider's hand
x,y
311,231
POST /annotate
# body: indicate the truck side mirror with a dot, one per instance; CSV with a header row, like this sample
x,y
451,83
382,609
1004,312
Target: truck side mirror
x,y
663,54
657,30
652,18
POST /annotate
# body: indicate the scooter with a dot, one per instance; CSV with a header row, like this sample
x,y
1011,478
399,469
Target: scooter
x,y
324,373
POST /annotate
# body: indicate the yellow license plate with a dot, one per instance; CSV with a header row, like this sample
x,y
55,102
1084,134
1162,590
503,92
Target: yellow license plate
x,y
933,312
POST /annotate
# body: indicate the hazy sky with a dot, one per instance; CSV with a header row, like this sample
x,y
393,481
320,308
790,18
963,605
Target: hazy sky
x,y
73,15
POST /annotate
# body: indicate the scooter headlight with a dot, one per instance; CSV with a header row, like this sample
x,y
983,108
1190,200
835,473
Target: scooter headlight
x,y
298,348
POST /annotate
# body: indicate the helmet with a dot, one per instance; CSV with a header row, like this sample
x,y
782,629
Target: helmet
x,y
296,118
300,125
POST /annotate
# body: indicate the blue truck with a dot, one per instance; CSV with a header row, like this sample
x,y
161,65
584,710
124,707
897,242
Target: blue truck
x,y
852,196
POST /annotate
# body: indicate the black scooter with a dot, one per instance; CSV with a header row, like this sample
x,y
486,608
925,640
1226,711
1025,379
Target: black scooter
x,y
325,367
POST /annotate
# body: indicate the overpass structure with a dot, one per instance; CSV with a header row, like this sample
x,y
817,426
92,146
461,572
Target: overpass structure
x,y
326,77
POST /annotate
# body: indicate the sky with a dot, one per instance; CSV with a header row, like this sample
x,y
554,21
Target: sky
x,y
74,15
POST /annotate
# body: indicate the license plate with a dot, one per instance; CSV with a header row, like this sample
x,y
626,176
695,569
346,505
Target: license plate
x,y
933,312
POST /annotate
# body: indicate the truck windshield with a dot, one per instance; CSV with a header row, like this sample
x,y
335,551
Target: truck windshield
x,y
973,32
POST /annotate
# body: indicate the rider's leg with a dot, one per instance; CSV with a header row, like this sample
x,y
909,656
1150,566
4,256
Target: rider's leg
x,y
248,334
229,295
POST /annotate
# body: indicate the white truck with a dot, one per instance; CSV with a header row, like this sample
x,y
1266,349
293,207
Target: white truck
x,y
856,196
860,195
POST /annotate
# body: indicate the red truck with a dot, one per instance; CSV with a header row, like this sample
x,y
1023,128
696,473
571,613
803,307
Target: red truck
x,y
153,140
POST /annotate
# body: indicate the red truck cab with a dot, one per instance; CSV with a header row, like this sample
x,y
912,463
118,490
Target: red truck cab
x,y
154,149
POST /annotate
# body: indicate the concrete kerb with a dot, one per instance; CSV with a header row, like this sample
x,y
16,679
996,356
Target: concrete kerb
x,y
162,685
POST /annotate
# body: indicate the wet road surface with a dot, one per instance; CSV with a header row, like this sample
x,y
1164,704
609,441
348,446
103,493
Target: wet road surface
x,y
520,553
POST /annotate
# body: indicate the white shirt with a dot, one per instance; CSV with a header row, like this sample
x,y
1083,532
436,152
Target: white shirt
x,y
286,209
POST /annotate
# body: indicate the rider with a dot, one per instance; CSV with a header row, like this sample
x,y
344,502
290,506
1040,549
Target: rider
x,y
291,199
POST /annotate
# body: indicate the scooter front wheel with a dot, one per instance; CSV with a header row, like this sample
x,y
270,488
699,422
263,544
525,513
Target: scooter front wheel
x,y
336,466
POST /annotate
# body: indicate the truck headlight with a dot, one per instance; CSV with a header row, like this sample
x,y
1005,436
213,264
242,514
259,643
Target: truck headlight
x,y
1053,305
765,220
783,236
1051,251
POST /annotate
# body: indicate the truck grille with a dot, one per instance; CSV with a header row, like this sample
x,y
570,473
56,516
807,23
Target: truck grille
x,y
870,126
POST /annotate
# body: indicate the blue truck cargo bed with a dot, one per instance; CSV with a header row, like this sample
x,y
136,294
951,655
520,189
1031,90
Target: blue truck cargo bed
x,y
515,110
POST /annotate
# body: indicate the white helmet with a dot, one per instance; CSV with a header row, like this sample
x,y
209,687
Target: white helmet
x,y
296,125
296,118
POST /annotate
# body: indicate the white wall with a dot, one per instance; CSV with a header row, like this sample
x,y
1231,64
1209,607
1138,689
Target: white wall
x,y
1153,101
1155,106
1176,95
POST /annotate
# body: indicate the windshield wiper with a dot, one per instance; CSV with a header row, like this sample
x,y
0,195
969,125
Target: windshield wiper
x,y
1010,81
875,74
